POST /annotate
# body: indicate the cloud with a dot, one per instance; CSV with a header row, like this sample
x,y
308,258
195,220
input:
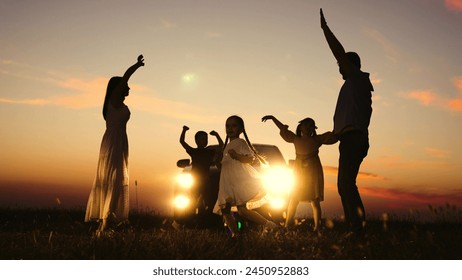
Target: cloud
x,y
406,196
401,163
453,5
331,170
36,102
458,83
89,93
454,105
148,102
77,94
82,92
429,98
424,97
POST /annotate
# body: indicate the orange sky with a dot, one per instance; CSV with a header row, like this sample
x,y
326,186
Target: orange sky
x,y
206,60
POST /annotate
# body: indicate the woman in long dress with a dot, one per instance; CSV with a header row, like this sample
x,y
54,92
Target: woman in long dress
x,y
108,200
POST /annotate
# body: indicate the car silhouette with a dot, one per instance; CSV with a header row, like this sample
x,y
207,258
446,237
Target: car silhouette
x,y
191,210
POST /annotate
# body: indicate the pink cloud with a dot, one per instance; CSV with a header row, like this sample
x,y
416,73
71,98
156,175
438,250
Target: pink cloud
x,y
453,5
80,94
458,82
331,170
429,98
407,196
425,98
454,104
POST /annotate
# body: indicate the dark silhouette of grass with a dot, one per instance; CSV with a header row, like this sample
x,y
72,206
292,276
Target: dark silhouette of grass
x,y
56,234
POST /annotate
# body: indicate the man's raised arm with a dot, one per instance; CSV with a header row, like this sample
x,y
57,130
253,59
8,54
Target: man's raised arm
x,y
334,44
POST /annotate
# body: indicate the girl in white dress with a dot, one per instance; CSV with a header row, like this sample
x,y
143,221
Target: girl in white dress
x,y
239,180
108,200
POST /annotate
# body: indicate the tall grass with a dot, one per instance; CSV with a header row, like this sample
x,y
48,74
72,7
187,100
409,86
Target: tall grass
x,y
61,234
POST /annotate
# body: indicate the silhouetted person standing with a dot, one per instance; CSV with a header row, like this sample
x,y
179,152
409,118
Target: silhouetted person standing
x,y
202,159
351,122
309,176
108,201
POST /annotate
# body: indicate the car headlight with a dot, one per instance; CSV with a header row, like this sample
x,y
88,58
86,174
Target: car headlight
x,y
278,203
181,201
278,180
185,180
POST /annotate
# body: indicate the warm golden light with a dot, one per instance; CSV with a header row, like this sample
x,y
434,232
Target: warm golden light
x,y
181,202
185,180
278,203
278,180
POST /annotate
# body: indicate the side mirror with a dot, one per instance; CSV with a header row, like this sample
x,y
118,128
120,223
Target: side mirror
x,y
182,163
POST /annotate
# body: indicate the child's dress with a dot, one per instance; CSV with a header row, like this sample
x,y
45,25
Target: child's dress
x,y
109,195
309,178
239,182
308,173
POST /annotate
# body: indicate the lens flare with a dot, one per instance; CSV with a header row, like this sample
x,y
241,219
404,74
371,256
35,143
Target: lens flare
x,y
278,180
181,202
278,203
185,180
189,80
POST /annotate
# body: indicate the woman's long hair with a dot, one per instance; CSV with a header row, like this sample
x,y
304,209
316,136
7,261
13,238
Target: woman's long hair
x,y
111,85
241,123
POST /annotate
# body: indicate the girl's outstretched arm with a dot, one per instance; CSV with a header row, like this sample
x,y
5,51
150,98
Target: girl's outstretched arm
x,y
279,124
284,131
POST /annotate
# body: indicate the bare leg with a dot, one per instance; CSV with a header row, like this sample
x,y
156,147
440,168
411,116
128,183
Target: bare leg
x,y
316,206
102,227
293,203
231,222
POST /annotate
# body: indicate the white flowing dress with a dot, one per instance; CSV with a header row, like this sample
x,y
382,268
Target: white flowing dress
x,y
239,182
109,195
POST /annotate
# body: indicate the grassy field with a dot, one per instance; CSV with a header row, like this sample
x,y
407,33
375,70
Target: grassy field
x,y
59,234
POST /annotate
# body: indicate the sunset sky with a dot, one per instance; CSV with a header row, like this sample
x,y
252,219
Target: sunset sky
x,y
209,59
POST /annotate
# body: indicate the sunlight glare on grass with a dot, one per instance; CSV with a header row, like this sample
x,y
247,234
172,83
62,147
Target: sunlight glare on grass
x,y
385,219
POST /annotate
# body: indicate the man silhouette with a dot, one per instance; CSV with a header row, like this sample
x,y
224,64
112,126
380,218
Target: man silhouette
x,y
351,122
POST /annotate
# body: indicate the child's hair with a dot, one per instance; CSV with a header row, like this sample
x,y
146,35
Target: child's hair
x,y
200,134
241,123
309,121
